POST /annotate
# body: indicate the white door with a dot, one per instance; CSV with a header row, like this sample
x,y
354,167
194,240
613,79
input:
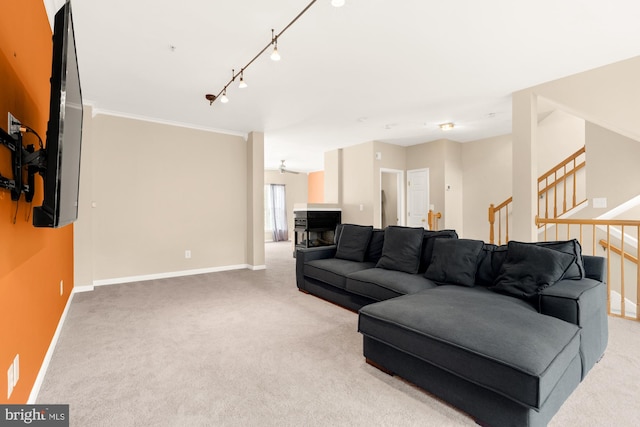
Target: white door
x,y
418,197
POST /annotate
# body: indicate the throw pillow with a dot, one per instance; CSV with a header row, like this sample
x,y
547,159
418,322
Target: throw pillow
x,y
401,249
571,247
353,242
528,269
454,261
427,245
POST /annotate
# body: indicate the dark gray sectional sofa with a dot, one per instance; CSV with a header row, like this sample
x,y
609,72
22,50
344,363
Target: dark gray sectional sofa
x,y
505,333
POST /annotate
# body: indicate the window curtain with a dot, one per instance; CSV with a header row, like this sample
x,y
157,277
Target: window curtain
x,y
278,208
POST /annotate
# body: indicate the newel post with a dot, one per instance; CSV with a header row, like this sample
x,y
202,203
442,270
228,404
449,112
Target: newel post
x,y
492,219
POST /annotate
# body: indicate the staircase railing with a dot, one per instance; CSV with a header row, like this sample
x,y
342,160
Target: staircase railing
x,y
623,272
501,209
561,178
559,182
432,220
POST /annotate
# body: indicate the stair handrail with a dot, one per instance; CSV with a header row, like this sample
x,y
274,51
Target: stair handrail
x,y
573,158
554,185
617,250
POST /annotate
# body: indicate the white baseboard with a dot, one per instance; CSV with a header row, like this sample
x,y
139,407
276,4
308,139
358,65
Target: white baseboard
x,y
168,275
33,396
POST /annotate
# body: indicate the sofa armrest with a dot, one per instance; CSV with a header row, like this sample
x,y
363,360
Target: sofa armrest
x,y
304,255
584,303
574,301
595,267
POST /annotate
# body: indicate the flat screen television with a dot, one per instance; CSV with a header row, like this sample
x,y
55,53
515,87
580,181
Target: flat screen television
x,y
64,130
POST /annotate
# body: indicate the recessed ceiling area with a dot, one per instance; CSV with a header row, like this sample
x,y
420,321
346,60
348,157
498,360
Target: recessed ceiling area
x,y
383,70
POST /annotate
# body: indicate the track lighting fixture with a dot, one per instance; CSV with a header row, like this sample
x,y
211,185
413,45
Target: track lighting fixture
x,y
242,83
275,56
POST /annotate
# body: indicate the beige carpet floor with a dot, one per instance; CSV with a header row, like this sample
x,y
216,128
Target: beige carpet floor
x,y
245,348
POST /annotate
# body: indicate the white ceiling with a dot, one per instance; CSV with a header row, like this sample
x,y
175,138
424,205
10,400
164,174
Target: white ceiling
x,y
386,70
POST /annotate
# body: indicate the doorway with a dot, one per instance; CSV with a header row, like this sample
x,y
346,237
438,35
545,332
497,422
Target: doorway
x,y
418,198
391,197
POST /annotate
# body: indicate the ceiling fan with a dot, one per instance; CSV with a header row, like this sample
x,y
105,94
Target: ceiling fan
x,y
283,168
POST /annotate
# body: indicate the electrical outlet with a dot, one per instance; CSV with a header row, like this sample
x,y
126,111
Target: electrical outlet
x,y
13,124
61,287
187,254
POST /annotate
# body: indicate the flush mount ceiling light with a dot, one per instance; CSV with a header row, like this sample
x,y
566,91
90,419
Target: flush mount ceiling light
x,y
447,126
275,55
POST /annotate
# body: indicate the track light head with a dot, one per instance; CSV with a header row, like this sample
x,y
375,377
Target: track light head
x,y
210,97
275,55
242,83
224,98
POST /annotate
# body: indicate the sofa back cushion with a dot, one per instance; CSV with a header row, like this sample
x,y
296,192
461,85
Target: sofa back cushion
x,y
454,262
492,257
353,242
401,249
571,247
528,269
374,251
486,275
427,245
337,233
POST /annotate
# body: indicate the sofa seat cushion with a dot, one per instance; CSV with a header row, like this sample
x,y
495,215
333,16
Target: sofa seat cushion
x,y
334,271
381,284
495,341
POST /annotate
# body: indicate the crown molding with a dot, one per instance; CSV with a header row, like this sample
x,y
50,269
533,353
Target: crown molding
x,y
100,111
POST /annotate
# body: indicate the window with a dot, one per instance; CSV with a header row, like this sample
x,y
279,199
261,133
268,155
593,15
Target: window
x,y
275,212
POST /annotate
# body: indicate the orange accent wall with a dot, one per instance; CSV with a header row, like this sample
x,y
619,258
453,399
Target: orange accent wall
x,y
32,261
316,187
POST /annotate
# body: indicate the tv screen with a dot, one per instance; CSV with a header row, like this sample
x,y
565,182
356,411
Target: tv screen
x,y
64,131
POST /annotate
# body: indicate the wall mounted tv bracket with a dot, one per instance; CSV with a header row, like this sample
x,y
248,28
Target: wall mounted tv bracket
x,y
21,157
